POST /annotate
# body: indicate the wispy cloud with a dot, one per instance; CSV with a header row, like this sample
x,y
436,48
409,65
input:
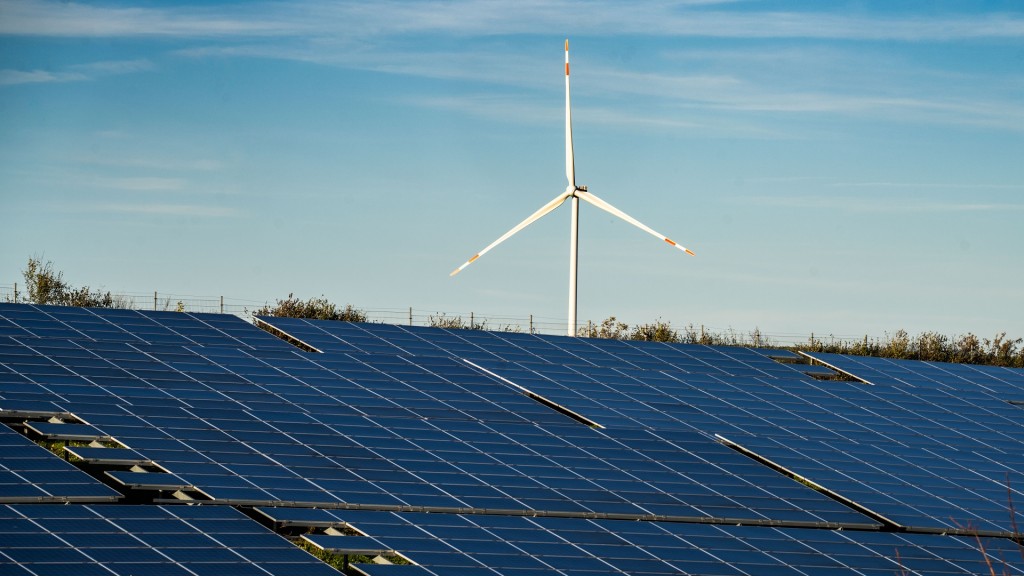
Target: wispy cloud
x,y
191,210
487,17
874,205
121,160
930,186
50,18
115,67
492,106
735,93
367,36
141,184
76,73
742,87
677,96
10,77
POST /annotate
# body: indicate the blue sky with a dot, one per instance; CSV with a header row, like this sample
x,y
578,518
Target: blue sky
x,y
838,167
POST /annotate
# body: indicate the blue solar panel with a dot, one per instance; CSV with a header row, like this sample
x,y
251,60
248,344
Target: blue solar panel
x,y
133,326
838,434
508,544
923,445
30,473
485,445
144,541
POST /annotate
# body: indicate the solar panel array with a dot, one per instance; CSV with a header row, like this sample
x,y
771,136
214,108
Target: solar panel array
x,y
583,547
468,452
942,456
86,540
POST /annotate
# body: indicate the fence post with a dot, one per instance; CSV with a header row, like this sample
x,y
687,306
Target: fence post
x,y
471,323
15,291
410,315
154,299
221,304
531,323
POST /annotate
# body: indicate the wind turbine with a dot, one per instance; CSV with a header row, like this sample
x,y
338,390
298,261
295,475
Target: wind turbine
x,y
574,192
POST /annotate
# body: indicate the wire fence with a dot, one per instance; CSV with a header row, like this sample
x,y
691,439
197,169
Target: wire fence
x,y
531,324
157,301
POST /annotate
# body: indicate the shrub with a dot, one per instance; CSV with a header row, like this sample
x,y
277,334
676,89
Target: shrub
x,y
314,309
47,286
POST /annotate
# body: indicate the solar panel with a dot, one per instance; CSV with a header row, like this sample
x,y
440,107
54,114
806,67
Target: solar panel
x,y
132,326
467,441
143,541
956,439
530,348
510,545
30,473
858,441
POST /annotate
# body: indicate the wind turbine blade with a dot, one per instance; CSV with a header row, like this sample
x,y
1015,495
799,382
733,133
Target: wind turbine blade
x,y
570,169
530,220
589,197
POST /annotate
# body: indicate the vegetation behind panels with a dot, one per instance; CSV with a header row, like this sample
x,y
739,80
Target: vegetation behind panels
x,y
45,285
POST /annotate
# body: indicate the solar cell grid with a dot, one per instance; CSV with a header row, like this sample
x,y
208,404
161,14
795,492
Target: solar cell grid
x,y
605,546
465,439
31,473
950,439
149,540
748,405
113,325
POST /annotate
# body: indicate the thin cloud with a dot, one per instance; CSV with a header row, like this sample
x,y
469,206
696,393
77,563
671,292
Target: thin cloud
x,y
141,184
726,92
114,67
362,36
735,94
10,77
868,205
191,210
491,106
928,185
76,73
785,179
487,17
548,112
197,165
62,19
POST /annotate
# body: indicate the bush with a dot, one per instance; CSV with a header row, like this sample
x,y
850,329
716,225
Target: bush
x,y
929,346
657,331
314,309
47,286
458,323
609,328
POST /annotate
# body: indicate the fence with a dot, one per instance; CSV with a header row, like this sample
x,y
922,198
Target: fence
x,y
157,301
418,317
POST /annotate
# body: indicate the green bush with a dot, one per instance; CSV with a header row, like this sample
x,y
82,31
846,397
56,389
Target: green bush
x,y
314,309
47,286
